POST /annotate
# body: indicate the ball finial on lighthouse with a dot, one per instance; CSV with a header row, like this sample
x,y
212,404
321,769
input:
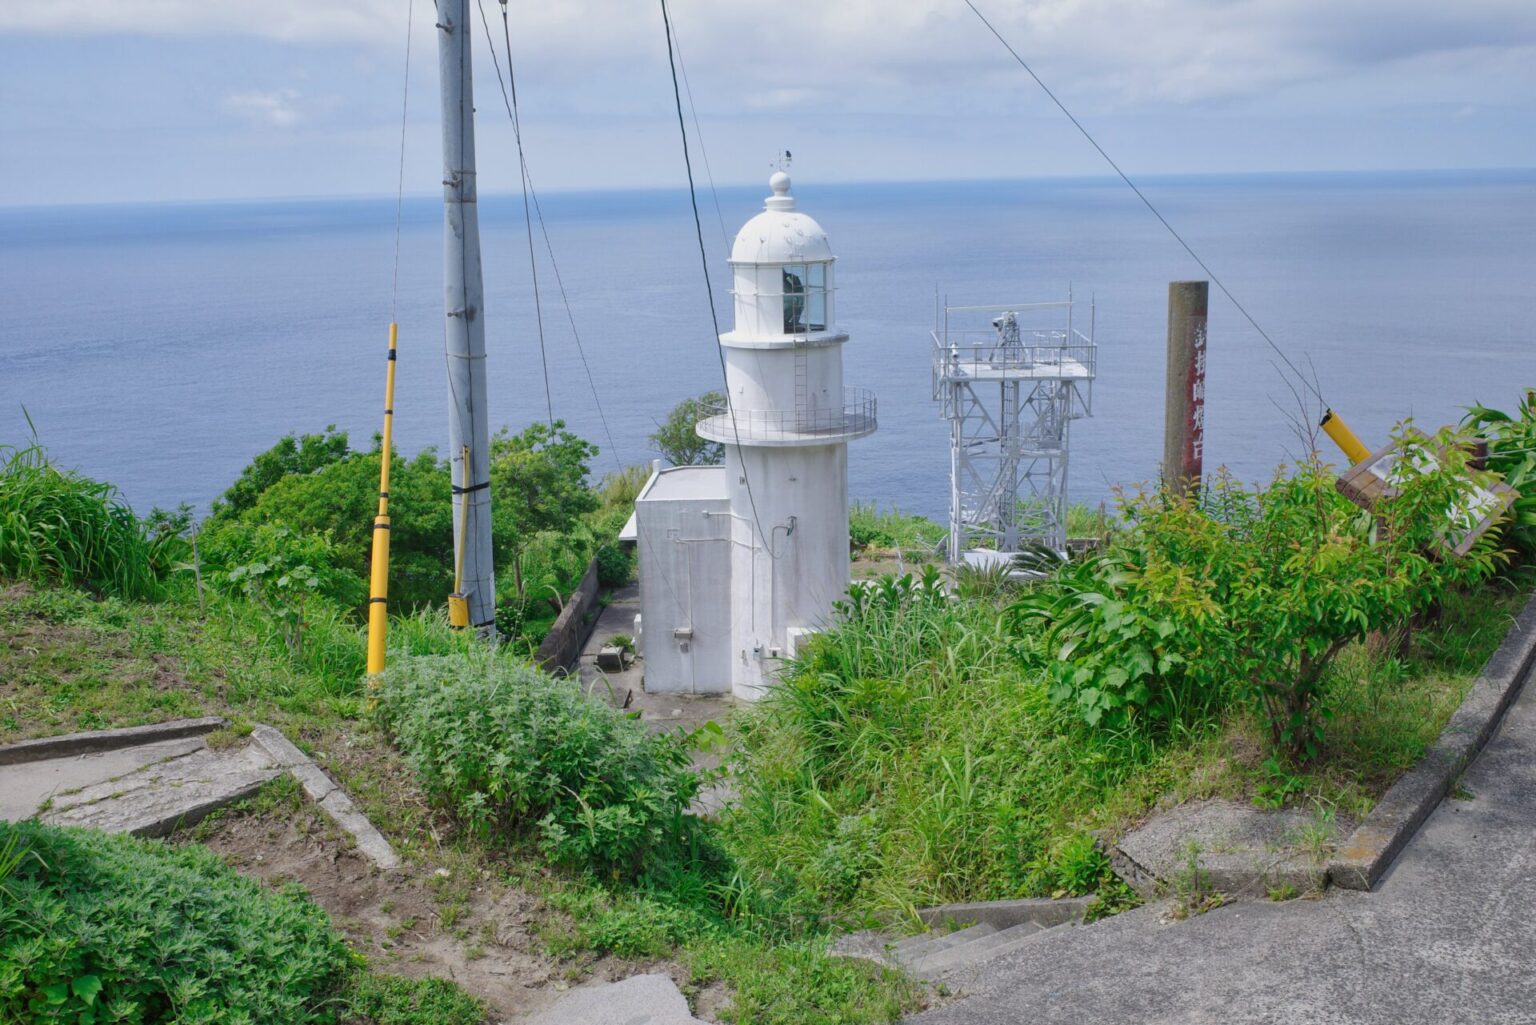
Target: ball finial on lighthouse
x,y
781,199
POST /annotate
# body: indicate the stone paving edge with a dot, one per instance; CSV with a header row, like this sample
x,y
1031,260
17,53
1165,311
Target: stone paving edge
x,y
1389,826
45,748
325,792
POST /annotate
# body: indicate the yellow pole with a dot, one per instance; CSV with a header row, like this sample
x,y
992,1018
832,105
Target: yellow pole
x,y
458,605
1335,427
378,592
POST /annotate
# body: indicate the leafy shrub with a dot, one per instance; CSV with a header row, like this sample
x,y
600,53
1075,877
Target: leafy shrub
x,y
516,753
293,454
103,928
57,525
1253,593
337,499
1512,454
539,488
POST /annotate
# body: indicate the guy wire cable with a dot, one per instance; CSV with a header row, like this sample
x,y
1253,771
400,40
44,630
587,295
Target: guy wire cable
x,y
1309,385
698,133
549,247
533,267
538,211
698,227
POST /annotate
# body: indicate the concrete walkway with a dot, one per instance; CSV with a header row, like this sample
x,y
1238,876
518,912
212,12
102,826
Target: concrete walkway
x,y
1448,936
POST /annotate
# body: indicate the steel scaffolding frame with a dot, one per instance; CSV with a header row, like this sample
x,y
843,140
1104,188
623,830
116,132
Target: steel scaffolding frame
x,y
1010,391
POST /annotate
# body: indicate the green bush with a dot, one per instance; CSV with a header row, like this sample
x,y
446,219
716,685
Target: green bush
x,y
1254,594
1512,454
292,455
868,527
514,753
103,928
337,499
57,525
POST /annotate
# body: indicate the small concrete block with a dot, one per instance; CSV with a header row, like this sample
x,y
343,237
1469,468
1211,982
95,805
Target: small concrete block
x,y
638,1000
1045,911
610,658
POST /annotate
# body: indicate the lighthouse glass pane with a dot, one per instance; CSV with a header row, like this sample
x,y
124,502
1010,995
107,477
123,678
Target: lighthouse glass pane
x,y
816,297
794,300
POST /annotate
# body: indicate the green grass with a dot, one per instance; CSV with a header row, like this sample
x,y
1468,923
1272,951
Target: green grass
x,y
913,758
869,527
57,525
69,661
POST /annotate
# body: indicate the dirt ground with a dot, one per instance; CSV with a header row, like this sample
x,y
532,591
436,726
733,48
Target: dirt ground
x,y
449,921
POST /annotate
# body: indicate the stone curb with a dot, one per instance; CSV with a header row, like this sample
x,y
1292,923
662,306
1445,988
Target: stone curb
x,y
327,794
1043,911
1398,815
189,817
69,744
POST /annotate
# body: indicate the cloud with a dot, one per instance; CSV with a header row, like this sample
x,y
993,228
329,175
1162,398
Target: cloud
x,y
275,108
894,56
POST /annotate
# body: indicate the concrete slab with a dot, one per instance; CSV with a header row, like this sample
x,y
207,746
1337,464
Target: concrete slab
x,y
327,794
156,798
1227,847
154,786
26,787
639,1000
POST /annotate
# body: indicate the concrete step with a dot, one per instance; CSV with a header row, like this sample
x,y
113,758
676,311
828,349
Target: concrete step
x,y
154,799
981,948
638,1000
915,948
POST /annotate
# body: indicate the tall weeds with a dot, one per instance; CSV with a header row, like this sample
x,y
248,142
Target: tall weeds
x,y
57,525
912,757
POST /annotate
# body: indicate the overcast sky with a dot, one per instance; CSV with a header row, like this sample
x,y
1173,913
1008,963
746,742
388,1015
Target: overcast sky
x,y
110,100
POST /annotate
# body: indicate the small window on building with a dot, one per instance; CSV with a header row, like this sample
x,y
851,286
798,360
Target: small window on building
x,y
805,298
816,298
794,302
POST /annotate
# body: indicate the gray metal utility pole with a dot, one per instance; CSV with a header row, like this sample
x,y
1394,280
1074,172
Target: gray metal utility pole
x,y
1184,413
464,294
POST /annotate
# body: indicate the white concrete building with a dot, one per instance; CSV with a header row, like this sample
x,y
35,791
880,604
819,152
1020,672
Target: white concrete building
x,y
739,562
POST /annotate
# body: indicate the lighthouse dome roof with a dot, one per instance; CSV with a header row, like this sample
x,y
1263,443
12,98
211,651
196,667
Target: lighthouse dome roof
x,y
781,234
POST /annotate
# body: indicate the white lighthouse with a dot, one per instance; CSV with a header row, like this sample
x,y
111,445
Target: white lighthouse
x,y
738,564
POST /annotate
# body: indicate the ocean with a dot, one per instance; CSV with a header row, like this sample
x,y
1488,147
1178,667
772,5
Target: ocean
x,y
160,347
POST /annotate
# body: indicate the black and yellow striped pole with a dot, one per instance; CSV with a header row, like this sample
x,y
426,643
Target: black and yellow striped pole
x,y
378,591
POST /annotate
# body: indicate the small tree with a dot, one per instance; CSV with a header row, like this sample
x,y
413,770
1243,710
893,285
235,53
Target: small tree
x,y
677,439
1255,593
292,454
539,484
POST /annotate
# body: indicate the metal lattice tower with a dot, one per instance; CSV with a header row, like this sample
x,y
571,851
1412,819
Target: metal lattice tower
x,y
1011,379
